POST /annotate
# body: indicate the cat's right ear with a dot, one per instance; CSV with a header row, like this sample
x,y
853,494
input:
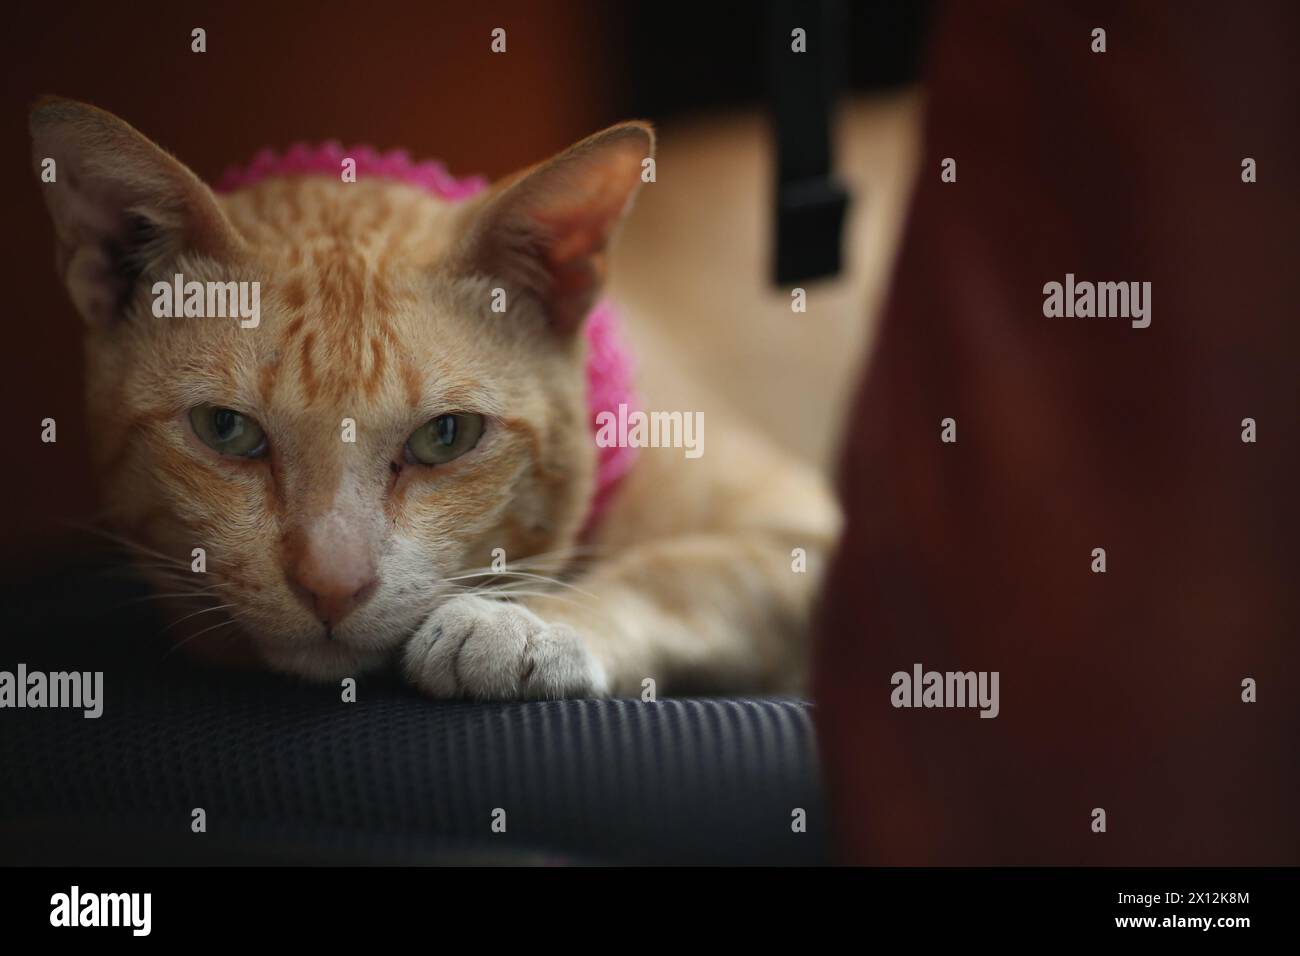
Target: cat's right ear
x,y
547,230
120,205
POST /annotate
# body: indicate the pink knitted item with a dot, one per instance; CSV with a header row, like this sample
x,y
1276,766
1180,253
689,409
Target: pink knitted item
x,y
609,363
609,384
327,159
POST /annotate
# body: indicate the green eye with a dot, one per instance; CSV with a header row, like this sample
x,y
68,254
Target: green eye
x,y
446,437
228,431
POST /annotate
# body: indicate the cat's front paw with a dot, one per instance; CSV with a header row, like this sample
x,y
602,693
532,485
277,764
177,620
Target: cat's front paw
x,y
476,647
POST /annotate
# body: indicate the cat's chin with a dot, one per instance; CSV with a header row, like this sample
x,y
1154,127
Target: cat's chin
x,y
322,661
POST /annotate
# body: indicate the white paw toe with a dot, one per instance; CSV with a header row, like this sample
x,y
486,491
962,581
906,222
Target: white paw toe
x,y
476,647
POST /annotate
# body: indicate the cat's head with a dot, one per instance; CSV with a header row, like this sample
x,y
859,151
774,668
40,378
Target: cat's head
x,y
381,429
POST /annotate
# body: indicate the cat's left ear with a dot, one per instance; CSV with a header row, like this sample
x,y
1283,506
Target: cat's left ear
x,y
120,204
547,230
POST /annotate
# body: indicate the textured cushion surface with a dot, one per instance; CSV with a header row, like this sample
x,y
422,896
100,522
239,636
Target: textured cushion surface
x,y
287,771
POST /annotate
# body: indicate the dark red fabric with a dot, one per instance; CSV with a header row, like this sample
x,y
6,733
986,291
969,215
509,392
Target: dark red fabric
x,y
1119,690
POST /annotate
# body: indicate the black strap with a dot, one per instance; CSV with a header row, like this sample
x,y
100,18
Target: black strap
x,y
810,202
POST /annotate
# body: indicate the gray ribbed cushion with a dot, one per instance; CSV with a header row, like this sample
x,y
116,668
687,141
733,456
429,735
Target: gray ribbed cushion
x,y
287,771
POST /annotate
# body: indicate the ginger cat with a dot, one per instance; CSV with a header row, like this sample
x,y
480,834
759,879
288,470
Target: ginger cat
x,y
471,433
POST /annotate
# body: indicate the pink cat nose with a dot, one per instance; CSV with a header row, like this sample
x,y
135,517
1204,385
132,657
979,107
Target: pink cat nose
x,y
332,587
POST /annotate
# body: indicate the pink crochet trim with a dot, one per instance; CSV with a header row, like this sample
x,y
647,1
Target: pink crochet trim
x,y
610,370
327,159
610,374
